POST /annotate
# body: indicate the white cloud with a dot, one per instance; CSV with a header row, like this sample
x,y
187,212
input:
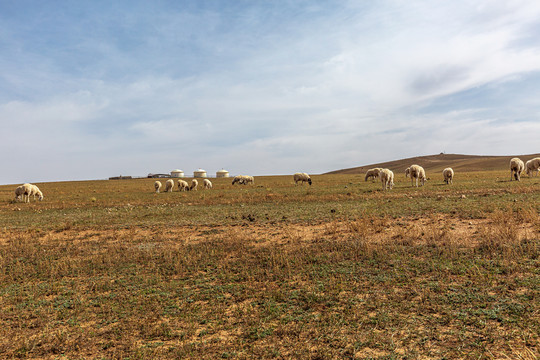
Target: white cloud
x,y
269,88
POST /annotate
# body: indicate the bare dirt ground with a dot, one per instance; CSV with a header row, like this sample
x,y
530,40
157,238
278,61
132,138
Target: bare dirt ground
x,y
463,232
322,289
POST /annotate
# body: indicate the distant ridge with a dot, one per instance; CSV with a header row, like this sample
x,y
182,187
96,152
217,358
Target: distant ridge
x,y
458,162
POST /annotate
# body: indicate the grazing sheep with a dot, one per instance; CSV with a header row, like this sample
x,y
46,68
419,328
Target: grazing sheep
x,y
238,179
243,179
416,172
373,173
448,175
169,184
533,166
516,168
194,184
157,186
207,184
183,185
303,177
387,178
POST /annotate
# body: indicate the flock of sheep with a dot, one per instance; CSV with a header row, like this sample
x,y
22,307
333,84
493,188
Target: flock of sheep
x,y
415,172
517,167
207,184
182,185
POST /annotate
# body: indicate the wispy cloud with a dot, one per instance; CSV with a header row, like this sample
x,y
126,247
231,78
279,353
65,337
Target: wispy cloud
x,y
261,88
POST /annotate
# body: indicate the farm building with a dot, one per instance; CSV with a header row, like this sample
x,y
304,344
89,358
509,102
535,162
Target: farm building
x,y
199,173
177,173
222,173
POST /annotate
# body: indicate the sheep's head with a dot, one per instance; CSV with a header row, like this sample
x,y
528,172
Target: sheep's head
x,y
309,181
407,172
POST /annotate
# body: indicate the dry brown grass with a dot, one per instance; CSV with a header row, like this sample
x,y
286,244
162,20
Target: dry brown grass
x,y
110,270
359,288
436,163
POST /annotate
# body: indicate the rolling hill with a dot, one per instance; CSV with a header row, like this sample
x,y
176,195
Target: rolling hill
x,y
432,163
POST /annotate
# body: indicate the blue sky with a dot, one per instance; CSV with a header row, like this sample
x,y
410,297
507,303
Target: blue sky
x,y
95,89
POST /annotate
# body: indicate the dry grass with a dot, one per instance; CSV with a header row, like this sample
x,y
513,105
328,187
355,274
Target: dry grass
x,y
277,271
436,163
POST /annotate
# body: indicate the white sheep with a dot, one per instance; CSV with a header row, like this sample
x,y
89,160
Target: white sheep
x,y
238,179
387,178
169,184
303,177
194,184
243,179
207,184
448,175
183,185
373,173
533,166
157,186
416,172
516,168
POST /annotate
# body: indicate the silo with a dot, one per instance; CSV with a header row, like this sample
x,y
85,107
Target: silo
x,y
222,173
199,173
177,173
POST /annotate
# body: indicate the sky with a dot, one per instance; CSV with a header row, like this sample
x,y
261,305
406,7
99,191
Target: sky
x,y
93,89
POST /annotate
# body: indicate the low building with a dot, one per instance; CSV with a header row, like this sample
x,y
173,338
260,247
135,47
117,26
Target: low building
x,y
199,173
177,173
121,177
222,173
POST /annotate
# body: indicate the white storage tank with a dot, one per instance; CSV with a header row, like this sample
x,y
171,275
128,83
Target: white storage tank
x,y
199,173
222,173
177,173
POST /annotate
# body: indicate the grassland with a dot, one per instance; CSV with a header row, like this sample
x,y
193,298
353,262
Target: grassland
x,y
436,163
339,270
